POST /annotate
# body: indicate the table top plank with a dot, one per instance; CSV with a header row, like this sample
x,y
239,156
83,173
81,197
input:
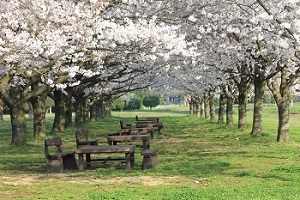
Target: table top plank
x,y
106,149
128,137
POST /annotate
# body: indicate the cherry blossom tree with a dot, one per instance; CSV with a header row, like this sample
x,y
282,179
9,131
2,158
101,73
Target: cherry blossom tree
x,y
49,43
269,34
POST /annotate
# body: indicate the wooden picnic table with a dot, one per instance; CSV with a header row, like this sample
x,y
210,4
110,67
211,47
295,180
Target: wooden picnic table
x,y
113,140
130,131
88,149
149,124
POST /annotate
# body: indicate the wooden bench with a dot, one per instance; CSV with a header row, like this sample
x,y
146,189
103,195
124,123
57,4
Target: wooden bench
x,y
154,119
127,149
124,127
113,133
130,131
113,140
147,124
82,138
56,159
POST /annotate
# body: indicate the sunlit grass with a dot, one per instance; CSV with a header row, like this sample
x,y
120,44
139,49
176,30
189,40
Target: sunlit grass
x,y
199,159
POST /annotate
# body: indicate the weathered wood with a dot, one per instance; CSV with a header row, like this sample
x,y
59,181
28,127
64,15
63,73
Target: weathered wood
x,y
154,119
149,124
59,160
129,131
127,149
150,159
82,138
113,140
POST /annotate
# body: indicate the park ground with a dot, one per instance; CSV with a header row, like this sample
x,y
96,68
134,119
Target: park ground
x,y
199,159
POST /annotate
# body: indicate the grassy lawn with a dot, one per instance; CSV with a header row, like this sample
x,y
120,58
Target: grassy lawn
x,y
199,159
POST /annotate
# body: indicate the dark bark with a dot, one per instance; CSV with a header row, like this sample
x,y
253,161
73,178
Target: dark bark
x,y
1,110
201,107
18,110
197,109
212,106
206,106
191,107
259,87
229,110
69,111
281,93
81,110
283,122
60,112
93,112
194,107
222,103
18,123
244,85
39,116
39,111
86,110
242,108
79,115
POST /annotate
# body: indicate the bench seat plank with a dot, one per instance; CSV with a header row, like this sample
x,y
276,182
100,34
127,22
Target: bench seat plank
x,y
127,149
113,140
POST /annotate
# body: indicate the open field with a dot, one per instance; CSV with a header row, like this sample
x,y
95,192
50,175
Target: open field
x,y
199,159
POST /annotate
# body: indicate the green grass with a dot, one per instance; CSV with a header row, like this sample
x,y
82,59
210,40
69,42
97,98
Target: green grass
x,y
199,159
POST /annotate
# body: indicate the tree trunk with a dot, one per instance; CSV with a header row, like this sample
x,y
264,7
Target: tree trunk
x,y
195,107
244,86
201,107
259,86
281,95
283,122
60,112
39,116
97,105
212,106
229,110
206,106
242,109
39,110
93,112
1,110
222,103
191,107
79,114
30,111
18,123
69,111
86,110
81,110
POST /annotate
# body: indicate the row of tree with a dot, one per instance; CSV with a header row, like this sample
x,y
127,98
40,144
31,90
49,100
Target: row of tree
x,y
246,48
88,53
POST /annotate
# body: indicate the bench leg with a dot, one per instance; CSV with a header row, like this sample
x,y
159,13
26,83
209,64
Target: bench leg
x,y
88,160
146,144
129,158
151,133
81,162
132,160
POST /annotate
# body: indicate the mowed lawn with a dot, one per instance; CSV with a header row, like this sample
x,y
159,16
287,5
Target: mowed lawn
x,y
199,159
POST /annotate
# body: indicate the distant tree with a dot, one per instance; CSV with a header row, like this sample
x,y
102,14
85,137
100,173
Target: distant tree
x,y
118,104
133,104
151,101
